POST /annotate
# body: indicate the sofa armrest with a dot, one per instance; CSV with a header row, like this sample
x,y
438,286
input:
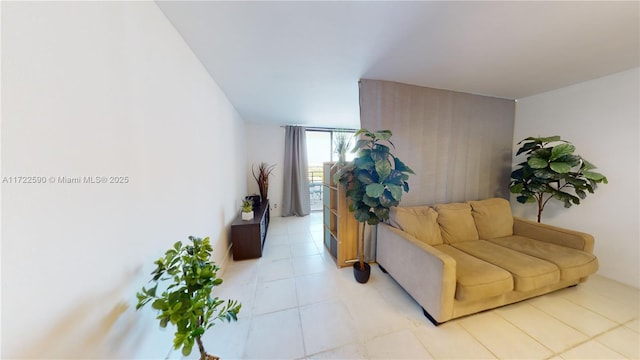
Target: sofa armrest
x,y
553,234
426,273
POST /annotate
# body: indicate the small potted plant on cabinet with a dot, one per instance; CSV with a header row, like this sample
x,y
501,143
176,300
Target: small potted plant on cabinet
x,y
186,302
374,181
247,209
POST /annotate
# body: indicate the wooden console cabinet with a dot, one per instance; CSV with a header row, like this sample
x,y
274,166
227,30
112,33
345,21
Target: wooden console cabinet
x,y
248,236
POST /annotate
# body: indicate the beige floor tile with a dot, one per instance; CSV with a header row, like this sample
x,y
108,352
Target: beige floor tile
x,y
574,315
502,338
275,296
244,294
591,350
276,252
241,273
546,329
273,240
304,249
633,325
451,341
275,270
351,351
277,226
622,340
616,310
310,265
316,288
226,340
275,335
326,326
374,315
397,345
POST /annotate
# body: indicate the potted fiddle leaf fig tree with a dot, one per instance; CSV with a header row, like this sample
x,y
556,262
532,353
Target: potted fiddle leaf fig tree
x,y
374,182
187,276
552,171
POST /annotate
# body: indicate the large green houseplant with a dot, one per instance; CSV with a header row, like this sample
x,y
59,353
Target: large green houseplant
x,y
552,171
186,302
374,182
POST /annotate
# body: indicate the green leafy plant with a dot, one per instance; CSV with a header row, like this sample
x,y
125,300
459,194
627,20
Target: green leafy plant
x,y
247,206
373,181
552,171
187,301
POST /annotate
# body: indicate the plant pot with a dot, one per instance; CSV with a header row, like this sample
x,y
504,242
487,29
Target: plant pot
x,y
362,276
247,215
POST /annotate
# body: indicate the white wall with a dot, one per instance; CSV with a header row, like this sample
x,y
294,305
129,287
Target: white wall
x,y
600,117
265,143
104,89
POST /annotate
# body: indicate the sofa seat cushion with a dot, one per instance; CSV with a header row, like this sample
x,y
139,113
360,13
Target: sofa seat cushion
x,y
456,222
475,278
493,218
529,272
573,264
419,221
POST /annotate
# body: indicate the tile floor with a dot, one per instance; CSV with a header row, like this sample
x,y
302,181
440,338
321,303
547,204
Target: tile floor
x,y
296,304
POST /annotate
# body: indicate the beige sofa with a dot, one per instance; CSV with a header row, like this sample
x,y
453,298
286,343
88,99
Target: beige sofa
x,y
461,258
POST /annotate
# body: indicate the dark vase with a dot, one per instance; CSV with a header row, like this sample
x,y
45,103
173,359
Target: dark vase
x,y
362,276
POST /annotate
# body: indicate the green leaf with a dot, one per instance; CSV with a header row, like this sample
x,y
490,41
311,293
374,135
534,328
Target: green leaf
x,y
537,163
396,191
560,167
375,190
186,349
160,304
370,201
591,175
381,152
383,134
381,212
361,214
516,188
365,177
197,332
383,168
561,150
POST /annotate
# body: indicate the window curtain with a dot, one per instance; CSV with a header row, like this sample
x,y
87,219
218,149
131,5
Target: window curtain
x,y
295,197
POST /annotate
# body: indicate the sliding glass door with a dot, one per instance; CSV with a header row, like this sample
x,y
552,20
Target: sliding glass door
x,y
321,145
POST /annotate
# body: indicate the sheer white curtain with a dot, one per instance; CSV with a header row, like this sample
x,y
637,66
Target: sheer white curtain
x,y
295,197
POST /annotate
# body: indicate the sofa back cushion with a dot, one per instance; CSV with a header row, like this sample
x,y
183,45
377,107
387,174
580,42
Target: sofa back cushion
x,y
493,218
456,222
419,221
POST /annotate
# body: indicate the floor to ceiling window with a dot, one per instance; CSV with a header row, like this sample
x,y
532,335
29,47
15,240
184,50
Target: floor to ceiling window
x,y
321,145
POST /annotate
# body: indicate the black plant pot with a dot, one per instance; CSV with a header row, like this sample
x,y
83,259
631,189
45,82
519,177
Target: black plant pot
x,y
362,276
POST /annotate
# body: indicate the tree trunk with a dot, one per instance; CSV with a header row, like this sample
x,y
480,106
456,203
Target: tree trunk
x,y
361,248
203,353
540,207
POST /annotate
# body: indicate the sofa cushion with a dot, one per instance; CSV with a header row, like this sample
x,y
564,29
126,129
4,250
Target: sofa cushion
x,y
574,264
528,272
456,222
477,279
493,217
419,221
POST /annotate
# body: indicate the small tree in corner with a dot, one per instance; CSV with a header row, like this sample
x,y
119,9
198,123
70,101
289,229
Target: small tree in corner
x,y
552,171
187,303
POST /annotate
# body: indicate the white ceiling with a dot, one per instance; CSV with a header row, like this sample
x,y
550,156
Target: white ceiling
x,y
299,62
